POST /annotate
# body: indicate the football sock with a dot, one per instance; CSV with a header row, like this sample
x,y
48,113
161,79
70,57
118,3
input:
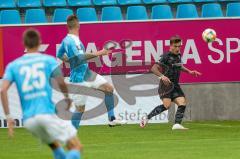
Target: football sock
x,y
109,102
59,153
180,114
73,154
76,118
157,110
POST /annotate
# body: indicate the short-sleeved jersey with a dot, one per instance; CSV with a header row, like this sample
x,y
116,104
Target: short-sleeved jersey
x,y
74,49
172,66
31,73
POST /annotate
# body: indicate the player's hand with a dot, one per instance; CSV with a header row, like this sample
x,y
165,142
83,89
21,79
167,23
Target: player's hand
x,y
165,80
105,52
11,124
195,73
65,58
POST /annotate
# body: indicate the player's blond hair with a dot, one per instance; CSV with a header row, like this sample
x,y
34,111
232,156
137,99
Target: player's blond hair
x,y
72,21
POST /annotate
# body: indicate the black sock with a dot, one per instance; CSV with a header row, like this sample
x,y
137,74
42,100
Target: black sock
x,y
180,114
159,109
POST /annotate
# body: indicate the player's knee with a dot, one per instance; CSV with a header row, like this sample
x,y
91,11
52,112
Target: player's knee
x,y
80,108
77,146
167,106
184,102
54,145
74,144
109,89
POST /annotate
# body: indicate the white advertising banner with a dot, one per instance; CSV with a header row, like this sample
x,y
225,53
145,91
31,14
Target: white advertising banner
x,y
132,101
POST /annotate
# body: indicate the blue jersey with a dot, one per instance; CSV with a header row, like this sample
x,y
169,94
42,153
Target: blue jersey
x,y
74,49
32,73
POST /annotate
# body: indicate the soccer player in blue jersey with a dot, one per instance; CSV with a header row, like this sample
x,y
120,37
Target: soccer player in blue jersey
x,y
73,52
32,73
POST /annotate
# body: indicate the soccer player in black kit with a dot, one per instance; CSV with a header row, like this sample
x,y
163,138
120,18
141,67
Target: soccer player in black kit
x,y
172,61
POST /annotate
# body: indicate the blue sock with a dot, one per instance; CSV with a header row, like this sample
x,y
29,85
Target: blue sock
x,y
109,102
76,118
59,153
73,154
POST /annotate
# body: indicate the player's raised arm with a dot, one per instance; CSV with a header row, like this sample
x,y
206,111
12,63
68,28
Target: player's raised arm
x,y
82,57
102,52
191,72
185,69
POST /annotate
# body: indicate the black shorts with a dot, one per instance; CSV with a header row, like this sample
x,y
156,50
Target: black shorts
x,y
175,93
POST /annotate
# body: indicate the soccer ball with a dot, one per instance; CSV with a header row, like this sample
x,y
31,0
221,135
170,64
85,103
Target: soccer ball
x,y
209,35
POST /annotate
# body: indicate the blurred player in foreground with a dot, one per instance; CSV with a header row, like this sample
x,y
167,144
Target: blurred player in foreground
x,y
32,73
72,51
171,63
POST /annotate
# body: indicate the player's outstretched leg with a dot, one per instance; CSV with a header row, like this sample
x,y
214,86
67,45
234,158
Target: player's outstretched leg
x,y
109,102
74,147
157,110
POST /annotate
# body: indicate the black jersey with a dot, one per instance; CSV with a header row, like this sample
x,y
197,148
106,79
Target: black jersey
x,y
171,64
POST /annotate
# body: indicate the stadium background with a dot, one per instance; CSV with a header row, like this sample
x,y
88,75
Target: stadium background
x,y
212,97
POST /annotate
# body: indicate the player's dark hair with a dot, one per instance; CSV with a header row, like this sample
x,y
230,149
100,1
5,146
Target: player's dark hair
x,y
175,39
72,21
31,38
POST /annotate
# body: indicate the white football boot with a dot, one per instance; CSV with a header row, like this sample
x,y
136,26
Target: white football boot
x,y
117,122
143,122
178,127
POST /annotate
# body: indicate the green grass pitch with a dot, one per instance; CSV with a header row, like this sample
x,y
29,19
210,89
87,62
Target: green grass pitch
x,y
204,140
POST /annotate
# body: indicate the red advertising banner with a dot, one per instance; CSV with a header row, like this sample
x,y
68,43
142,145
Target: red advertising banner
x,y
217,61
1,53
